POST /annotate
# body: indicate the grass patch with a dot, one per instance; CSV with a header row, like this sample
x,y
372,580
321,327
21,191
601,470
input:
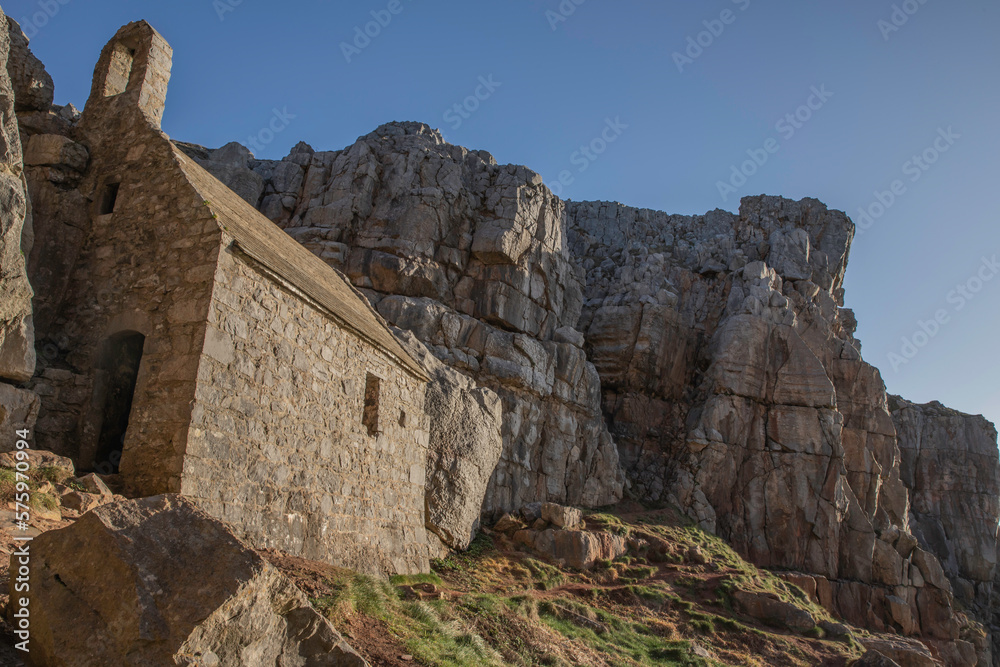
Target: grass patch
x,y
610,523
431,631
416,579
545,575
630,642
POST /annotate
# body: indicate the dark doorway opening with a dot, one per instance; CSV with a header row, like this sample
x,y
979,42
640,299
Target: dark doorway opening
x,y
120,361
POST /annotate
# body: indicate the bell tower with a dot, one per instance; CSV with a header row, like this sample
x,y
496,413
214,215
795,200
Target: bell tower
x,y
133,71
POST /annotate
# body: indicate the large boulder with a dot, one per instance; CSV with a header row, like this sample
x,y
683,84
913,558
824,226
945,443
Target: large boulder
x,y
159,582
465,446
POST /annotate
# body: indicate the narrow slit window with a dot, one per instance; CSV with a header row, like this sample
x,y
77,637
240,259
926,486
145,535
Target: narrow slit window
x,y
370,417
109,198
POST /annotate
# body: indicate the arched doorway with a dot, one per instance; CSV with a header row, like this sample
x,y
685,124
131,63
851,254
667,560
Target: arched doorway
x,y
120,360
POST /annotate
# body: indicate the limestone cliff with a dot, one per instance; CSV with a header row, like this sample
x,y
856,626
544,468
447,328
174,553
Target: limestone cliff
x,y
706,361
714,349
949,464
734,386
18,408
17,346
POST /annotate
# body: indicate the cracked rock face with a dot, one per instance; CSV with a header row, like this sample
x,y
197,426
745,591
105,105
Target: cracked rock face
x,y
734,386
950,465
714,349
17,351
469,256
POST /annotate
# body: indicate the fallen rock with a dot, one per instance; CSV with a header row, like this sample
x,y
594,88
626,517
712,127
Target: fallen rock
x,y
508,523
81,501
905,652
579,549
531,512
568,518
159,582
696,555
773,611
874,659
834,630
464,447
36,459
95,485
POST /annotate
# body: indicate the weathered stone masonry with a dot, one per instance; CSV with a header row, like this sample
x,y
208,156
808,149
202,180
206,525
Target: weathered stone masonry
x,y
302,470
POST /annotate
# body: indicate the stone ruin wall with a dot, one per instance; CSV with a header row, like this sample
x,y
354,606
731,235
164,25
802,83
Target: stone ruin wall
x,y
277,446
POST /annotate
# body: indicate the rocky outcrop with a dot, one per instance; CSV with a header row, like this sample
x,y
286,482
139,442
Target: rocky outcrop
x,y
470,256
157,581
951,465
17,351
464,448
33,87
734,386
231,165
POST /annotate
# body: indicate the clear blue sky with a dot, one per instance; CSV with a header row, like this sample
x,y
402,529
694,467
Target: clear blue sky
x,y
686,129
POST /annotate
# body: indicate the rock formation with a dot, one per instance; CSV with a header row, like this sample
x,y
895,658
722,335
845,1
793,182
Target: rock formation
x,y
158,582
465,446
718,346
734,386
471,257
949,464
17,350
